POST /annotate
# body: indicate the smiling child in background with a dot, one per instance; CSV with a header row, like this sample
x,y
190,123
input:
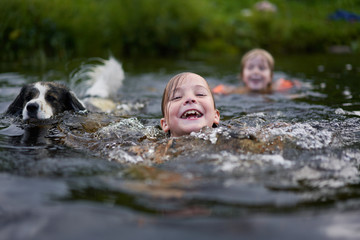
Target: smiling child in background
x,y
257,67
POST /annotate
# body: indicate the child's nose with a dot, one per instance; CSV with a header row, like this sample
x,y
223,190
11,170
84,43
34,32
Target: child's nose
x,y
256,69
190,100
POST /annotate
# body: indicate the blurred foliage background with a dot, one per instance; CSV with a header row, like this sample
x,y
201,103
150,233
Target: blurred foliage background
x,y
63,29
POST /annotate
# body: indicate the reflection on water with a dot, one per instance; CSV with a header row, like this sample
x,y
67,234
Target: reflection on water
x,y
275,165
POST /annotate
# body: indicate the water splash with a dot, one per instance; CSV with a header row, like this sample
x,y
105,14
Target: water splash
x,y
128,126
228,162
302,134
211,134
117,154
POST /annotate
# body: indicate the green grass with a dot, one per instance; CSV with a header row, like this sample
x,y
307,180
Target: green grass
x,y
62,29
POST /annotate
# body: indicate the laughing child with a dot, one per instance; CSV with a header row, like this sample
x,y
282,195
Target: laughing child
x,y
257,67
187,105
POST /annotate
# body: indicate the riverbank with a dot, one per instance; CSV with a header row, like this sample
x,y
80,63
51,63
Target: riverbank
x,y
63,29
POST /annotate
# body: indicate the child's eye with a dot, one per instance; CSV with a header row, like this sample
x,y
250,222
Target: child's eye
x,y
250,67
201,94
262,68
175,98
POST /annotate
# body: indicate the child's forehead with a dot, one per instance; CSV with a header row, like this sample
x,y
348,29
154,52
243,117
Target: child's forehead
x,y
191,81
257,58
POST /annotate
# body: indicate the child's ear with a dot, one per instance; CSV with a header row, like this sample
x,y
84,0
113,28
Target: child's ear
x,y
164,125
217,117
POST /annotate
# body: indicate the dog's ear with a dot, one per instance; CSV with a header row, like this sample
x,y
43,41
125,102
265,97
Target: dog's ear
x,y
75,103
16,107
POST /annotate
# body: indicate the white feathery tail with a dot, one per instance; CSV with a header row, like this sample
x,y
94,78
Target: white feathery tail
x,y
105,80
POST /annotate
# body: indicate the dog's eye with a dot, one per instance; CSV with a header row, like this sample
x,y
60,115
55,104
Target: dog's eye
x,y
29,97
50,98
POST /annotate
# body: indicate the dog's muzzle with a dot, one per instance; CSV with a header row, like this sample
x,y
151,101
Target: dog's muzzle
x,y
32,110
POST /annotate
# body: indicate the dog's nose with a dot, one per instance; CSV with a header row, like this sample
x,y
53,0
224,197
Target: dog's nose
x,y
32,108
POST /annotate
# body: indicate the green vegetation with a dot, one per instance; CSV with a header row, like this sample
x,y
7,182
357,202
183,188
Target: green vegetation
x,y
61,29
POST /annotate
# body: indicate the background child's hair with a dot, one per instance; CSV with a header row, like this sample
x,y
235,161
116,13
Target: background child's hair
x,y
258,52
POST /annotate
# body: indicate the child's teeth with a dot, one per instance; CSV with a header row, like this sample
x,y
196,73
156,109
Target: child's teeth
x,y
191,112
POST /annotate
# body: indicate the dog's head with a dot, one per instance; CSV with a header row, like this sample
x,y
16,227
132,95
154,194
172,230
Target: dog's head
x,y
43,100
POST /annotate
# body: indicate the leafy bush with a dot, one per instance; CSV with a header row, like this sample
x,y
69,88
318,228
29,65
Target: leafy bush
x,y
40,29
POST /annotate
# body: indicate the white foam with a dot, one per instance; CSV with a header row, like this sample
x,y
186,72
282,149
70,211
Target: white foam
x,y
302,134
356,113
340,111
228,162
130,125
210,134
276,160
343,227
119,155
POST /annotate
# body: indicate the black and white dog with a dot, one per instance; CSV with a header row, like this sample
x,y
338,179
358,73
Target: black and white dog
x,y
43,100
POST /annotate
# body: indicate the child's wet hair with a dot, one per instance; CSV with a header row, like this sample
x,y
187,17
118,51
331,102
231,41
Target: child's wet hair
x,y
258,52
172,85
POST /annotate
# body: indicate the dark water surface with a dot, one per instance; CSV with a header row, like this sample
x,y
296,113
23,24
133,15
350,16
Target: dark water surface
x,y
282,166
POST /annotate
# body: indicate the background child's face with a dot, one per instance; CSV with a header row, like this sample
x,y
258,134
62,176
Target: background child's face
x,y
190,107
257,73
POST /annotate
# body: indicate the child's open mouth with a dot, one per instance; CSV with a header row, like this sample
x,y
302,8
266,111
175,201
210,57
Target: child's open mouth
x,y
191,114
256,80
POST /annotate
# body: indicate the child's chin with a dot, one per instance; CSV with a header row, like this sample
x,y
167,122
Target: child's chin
x,y
191,129
257,87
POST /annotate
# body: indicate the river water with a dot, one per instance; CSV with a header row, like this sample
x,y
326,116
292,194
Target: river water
x,y
282,165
